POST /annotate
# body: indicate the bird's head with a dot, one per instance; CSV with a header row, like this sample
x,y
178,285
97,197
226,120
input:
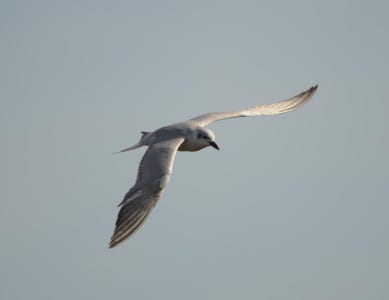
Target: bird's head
x,y
206,137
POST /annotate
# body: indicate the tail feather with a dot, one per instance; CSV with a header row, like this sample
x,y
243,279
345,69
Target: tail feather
x,y
138,144
144,134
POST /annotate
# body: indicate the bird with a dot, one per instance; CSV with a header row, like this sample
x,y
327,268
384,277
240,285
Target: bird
x,y
156,165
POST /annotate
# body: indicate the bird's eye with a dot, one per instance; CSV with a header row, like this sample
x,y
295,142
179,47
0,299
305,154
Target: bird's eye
x,y
202,136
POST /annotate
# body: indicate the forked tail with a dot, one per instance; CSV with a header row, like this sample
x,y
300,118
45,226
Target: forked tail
x,y
138,144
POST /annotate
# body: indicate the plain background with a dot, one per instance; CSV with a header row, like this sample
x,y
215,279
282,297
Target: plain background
x,y
292,207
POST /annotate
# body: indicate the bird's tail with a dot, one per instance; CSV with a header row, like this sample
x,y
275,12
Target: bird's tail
x,y
138,144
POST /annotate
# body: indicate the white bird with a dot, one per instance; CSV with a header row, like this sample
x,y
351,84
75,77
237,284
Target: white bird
x,y
156,165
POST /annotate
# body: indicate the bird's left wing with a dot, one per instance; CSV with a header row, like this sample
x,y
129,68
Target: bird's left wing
x,y
154,173
266,109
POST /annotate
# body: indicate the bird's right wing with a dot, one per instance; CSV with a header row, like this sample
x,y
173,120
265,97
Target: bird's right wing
x,y
266,109
154,173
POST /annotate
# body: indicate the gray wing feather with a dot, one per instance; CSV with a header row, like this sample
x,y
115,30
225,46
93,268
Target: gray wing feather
x,y
266,109
153,175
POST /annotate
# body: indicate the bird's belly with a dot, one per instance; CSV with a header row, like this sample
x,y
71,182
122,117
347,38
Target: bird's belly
x,y
186,146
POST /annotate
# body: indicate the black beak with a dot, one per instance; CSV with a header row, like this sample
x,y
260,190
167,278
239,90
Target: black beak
x,y
214,145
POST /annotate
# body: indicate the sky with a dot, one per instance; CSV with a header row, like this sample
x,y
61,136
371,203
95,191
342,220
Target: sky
x,y
293,206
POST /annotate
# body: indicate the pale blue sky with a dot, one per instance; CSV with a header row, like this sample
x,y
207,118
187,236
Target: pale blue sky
x,y
292,207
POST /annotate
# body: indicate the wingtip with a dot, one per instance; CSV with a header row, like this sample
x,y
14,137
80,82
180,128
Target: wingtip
x,y
309,92
112,243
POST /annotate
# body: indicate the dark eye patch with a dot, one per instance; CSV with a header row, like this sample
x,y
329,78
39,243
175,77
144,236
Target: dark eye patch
x,y
202,136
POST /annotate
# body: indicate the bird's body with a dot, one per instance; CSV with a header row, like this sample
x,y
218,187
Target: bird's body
x,y
157,163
